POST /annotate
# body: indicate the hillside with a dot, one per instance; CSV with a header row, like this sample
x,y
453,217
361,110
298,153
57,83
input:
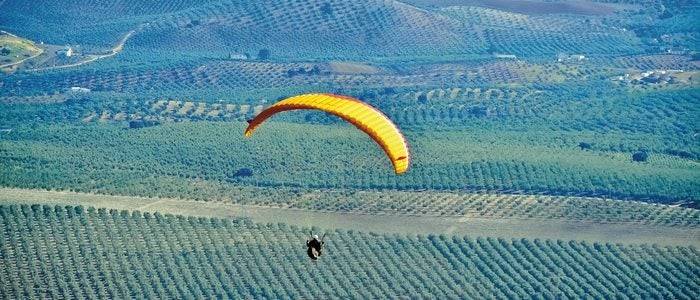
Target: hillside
x,y
15,50
308,30
332,29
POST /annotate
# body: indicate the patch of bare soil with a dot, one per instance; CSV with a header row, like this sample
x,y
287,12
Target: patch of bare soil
x,y
625,233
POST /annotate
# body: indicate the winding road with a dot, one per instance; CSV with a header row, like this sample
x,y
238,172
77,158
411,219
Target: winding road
x,y
41,51
93,57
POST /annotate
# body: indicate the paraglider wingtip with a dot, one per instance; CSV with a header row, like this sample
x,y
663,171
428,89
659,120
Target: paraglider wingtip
x,y
249,121
400,169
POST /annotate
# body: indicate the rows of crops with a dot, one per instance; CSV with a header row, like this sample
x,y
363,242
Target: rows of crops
x,y
491,206
74,252
180,25
455,204
658,62
201,76
525,35
421,107
175,110
190,75
665,114
169,160
330,29
92,24
420,203
662,113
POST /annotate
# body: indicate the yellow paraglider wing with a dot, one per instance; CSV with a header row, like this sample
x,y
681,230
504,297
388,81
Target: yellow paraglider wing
x,y
362,115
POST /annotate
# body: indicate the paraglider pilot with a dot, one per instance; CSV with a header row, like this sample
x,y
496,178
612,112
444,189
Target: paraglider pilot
x,y
314,247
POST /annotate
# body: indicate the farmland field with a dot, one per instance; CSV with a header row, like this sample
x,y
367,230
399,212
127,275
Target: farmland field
x,y
15,50
611,221
183,159
156,255
554,149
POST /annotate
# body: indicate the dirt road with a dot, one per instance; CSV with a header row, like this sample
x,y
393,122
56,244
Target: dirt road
x,y
93,57
626,233
22,60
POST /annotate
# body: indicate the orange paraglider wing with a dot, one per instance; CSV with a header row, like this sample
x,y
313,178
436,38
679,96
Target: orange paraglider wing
x,y
365,117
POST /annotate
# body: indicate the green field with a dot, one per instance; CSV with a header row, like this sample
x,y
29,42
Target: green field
x,y
496,216
14,50
57,251
553,144
199,160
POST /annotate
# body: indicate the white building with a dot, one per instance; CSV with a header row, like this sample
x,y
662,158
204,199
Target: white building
x,y
78,89
238,56
507,56
573,57
67,51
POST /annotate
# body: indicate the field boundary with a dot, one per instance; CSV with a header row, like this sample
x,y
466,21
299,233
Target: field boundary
x,y
624,233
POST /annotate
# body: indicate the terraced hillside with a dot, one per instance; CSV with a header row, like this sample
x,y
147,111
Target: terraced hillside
x,y
329,29
316,30
89,23
526,35
112,254
227,45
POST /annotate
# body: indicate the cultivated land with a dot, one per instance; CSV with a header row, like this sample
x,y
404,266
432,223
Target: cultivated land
x,y
24,54
472,225
88,58
87,253
554,146
199,161
15,50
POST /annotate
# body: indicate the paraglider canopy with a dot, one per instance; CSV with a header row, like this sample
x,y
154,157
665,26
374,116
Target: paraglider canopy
x,y
365,117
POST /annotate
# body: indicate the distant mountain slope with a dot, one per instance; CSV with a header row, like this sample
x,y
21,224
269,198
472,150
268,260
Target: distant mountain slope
x,y
85,22
532,36
308,30
311,29
535,7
